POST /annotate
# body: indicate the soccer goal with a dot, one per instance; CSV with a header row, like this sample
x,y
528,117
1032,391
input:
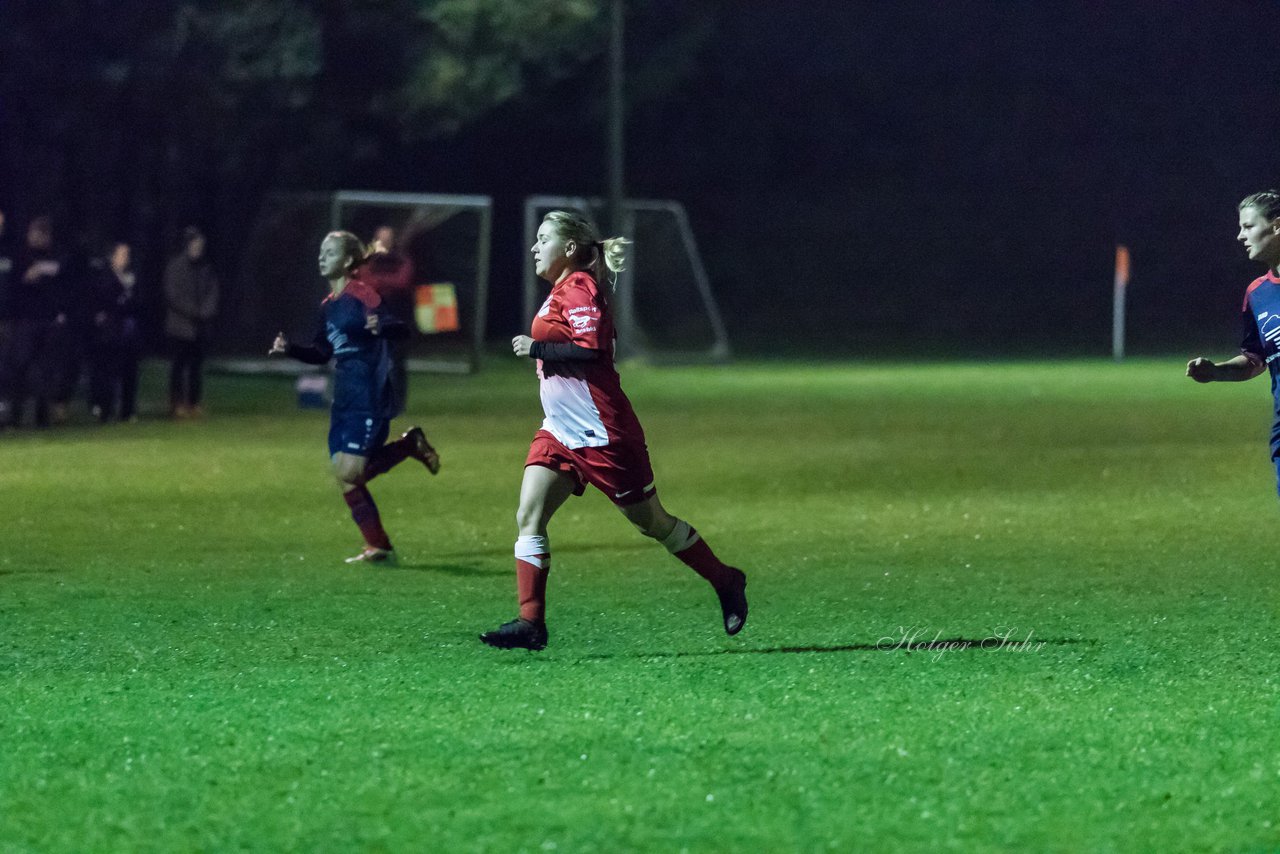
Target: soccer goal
x,y
663,304
445,240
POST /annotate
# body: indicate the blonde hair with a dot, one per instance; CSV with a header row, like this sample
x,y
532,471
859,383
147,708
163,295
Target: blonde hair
x,y
600,256
352,247
1266,203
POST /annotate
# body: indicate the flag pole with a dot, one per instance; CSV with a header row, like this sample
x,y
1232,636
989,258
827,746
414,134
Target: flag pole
x,y
1117,302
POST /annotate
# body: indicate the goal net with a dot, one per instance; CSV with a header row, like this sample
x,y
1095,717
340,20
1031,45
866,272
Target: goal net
x,y
663,305
443,238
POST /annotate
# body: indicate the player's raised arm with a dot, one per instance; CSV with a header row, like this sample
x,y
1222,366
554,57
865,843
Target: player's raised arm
x,y
386,325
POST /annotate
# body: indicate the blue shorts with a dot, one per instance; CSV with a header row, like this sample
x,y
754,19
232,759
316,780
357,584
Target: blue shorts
x,y
357,433
1275,449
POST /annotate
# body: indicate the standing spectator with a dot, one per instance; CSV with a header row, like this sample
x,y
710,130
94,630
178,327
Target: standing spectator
x,y
41,342
70,345
116,340
6,315
191,299
6,269
390,272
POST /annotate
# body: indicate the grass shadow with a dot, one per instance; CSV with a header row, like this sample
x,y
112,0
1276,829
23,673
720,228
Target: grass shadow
x,y
460,570
936,646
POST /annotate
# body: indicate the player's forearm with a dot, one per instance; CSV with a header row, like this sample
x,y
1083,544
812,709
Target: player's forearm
x,y
392,328
1237,369
561,351
308,353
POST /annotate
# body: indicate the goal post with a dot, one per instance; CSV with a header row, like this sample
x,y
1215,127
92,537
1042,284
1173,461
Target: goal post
x,y
663,303
447,239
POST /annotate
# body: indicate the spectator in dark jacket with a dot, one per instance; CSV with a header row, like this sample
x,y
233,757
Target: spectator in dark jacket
x,y
6,313
6,270
191,299
116,339
42,344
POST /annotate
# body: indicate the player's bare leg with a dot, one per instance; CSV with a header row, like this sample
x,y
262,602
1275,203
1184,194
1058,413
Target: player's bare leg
x,y
730,583
542,492
348,470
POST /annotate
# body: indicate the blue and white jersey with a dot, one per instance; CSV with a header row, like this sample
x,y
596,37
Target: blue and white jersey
x,y
362,360
1260,321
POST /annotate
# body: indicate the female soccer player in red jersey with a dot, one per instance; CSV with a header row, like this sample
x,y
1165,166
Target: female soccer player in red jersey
x,y
590,434
1260,314
354,332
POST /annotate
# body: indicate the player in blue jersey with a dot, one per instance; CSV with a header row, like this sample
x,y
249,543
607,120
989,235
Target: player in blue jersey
x,y
354,333
1260,314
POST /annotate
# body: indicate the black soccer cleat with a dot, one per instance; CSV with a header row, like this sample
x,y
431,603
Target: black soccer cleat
x,y
518,634
420,449
733,603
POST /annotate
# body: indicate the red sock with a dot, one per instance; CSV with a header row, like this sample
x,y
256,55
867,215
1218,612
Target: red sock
x,y
365,514
687,545
703,561
531,588
384,459
533,562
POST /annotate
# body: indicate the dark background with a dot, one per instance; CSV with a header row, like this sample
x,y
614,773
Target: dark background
x,y
862,177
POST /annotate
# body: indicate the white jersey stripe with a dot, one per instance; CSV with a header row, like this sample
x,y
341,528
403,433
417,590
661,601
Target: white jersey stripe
x,y
571,413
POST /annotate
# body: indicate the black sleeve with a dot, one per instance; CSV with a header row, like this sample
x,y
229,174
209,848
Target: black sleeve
x,y
317,352
391,327
561,351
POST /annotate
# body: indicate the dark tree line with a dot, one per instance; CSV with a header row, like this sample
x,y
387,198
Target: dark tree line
x,y
130,117
1004,147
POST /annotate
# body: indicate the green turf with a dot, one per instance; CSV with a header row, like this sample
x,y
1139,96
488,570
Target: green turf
x,y
187,665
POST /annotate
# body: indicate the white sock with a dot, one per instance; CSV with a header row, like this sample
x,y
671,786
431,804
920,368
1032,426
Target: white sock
x,y
534,550
681,537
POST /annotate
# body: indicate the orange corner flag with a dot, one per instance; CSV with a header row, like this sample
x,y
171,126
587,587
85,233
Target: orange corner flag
x,y
437,308
1122,266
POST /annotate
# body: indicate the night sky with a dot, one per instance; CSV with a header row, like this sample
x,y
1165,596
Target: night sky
x,y
864,178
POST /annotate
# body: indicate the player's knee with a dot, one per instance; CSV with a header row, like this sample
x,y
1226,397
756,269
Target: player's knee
x,y
348,473
650,519
648,530
643,521
528,518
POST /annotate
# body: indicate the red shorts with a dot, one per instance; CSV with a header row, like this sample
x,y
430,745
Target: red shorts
x,y
620,470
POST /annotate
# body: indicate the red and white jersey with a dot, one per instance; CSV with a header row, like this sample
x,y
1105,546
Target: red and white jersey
x,y
582,400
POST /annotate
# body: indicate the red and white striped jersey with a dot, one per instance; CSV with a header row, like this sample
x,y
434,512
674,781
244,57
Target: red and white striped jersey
x,y
582,401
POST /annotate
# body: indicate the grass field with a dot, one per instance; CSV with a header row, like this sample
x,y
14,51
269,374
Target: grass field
x,y
186,664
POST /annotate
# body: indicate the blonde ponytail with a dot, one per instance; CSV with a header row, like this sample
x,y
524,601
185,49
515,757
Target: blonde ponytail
x,y
600,257
612,256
